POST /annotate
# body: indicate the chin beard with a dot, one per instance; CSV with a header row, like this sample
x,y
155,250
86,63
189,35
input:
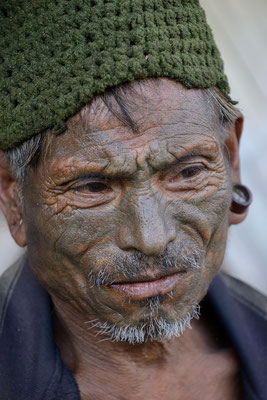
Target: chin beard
x,y
153,328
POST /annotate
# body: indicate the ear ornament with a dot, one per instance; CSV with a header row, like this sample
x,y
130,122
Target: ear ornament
x,y
241,198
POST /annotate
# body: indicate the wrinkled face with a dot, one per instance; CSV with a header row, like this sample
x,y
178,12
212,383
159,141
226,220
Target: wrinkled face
x,y
110,208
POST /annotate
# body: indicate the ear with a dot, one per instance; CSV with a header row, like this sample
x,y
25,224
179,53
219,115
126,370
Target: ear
x,y
232,144
10,202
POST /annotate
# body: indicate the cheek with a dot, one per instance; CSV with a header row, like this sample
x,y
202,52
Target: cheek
x,y
59,245
203,218
213,228
71,230
206,221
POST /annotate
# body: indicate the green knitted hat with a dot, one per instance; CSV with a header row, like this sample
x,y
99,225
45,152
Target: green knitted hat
x,y
56,55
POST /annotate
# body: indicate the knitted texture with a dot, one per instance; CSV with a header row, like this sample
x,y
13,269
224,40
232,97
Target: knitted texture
x,y
56,55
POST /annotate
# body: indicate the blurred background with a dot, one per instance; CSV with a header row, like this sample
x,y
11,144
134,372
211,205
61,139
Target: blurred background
x,y
240,29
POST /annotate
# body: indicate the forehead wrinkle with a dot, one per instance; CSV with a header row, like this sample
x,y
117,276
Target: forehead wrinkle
x,y
101,139
162,122
192,118
163,114
133,138
110,122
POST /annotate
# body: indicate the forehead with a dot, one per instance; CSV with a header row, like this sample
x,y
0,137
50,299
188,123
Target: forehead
x,y
167,116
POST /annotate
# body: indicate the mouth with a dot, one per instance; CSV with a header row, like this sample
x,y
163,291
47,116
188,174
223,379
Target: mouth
x,y
142,289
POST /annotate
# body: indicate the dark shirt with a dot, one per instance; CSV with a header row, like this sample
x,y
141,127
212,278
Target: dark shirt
x,y
30,363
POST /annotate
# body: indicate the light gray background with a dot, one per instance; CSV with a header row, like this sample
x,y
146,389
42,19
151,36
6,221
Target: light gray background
x,y
240,30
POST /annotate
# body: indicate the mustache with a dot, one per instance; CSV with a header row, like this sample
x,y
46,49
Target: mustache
x,y
136,265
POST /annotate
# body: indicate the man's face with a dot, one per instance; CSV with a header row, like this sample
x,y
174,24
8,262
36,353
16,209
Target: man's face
x,y
109,208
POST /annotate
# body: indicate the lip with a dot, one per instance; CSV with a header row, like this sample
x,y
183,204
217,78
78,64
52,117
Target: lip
x,y
144,289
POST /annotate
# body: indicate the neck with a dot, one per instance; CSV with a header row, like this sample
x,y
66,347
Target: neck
x,y
96,362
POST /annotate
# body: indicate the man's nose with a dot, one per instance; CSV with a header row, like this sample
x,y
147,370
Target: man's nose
x,y
145,226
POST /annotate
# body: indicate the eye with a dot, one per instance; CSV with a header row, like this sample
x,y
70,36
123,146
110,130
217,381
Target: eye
x,y
191,171
93,187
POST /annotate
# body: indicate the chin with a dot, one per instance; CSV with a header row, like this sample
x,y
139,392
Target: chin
x,y
155,325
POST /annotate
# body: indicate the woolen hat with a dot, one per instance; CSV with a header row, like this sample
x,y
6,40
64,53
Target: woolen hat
x,y
56,55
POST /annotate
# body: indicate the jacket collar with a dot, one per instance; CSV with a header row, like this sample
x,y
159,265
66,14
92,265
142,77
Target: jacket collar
x,y
30,360
246,330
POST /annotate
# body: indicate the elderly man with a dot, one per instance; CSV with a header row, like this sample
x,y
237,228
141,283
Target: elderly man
x,y
120,173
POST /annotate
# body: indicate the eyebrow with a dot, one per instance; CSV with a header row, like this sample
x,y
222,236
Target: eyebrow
x,y
197,151
99,175
84,172
176,161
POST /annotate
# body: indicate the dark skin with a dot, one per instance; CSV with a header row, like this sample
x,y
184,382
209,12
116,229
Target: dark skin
x,y
104,191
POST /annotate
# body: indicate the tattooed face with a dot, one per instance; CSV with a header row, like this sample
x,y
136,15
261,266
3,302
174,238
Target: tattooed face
x,y
129,226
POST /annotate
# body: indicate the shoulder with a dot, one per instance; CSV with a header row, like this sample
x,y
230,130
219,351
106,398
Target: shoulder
x,y
8,282
246,295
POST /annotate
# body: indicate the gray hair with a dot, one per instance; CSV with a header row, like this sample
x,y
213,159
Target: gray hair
x,y
25,157
155,328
